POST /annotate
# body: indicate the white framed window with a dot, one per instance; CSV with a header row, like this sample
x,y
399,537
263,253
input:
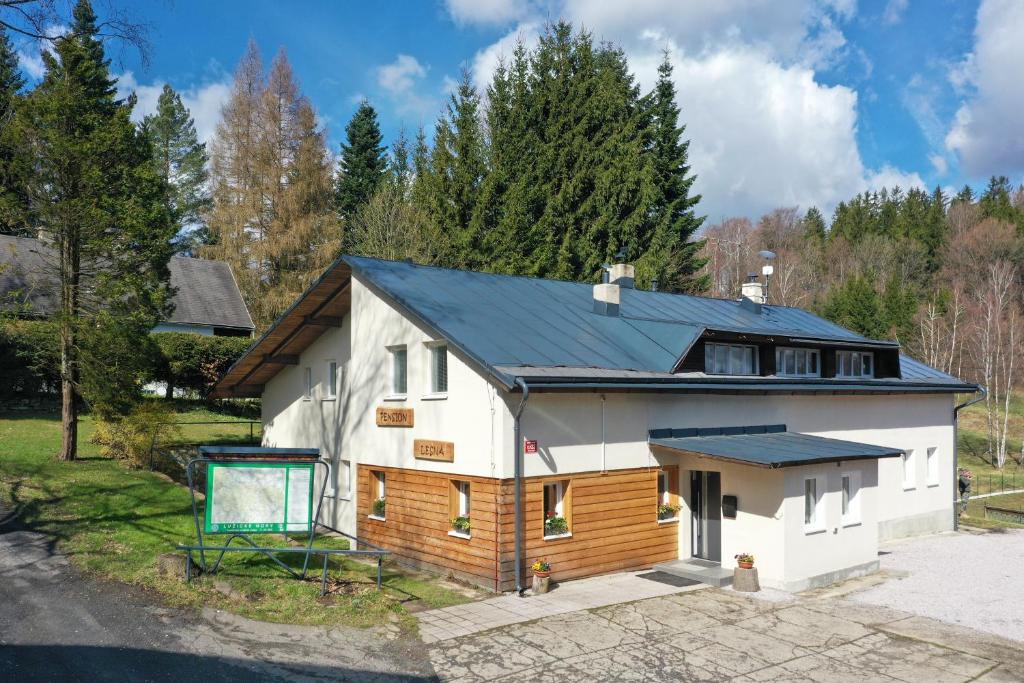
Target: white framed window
x,y
463,490
439,369
855,364
378,495
932,460
399,371
556,517
307,383
793,362
663,490
332,380
343,479
814,508
730,359
459,509
909,469
850,491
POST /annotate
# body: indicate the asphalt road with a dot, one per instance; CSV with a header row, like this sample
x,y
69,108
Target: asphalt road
x,y
57,625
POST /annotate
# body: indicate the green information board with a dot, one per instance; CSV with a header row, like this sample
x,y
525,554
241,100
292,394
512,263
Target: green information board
x,y
253,497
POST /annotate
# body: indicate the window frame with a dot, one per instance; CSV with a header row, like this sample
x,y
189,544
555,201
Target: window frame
x,y
394,394
307,380
435,350
818,522
780,353
908,461
841,369
562,509
332,382
729,348
932,469
850,497
460,504
378,490
344,466
669,495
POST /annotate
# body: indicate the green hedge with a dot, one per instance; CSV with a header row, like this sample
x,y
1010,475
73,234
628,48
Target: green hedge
x,y
195,362
29,359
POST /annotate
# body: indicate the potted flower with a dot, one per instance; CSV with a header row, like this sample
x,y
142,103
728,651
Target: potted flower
x,y
378,507
555,525
541,576
745,561
666,511
461,525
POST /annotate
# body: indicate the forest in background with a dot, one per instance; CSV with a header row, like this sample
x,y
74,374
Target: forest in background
x,y
553,168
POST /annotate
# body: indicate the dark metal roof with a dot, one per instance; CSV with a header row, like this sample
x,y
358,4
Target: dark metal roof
x,y
206,290
547,330
766,445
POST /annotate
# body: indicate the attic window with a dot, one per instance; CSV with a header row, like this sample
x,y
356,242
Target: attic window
x,y
797,362
730,359
855,364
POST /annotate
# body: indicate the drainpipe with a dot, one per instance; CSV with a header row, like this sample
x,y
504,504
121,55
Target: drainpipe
x,y
604,439
983,392
520,589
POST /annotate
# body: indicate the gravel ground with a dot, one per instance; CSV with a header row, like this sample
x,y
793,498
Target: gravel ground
x,y
974,580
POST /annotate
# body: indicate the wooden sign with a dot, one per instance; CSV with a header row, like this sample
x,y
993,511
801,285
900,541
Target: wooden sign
x,y
425,449
394,417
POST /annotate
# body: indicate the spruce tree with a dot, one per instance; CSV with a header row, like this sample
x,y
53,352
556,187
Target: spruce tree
x,y
814,226
677,260
181,160
856,305
363,161
96,193
13,165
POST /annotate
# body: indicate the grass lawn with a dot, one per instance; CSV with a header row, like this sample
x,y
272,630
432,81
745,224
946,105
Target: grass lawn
x,y
975,515
972,449
113,522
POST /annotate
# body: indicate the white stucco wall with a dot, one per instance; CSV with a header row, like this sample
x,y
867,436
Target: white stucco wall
x,y
345,428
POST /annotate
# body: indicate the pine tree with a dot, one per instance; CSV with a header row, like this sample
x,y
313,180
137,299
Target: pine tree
x,y
857,306
400,171
95,191
677,260
181,160
273,217
13,166
996,202
363,160
814,226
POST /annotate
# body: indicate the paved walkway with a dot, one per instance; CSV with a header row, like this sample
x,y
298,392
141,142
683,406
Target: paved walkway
x,y
599,591
717,635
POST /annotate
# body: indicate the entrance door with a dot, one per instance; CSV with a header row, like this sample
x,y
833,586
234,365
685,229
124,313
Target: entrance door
x,y
706,515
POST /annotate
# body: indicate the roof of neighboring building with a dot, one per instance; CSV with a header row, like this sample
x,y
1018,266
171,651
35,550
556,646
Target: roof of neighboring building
x,y
547,332
766,445
207,293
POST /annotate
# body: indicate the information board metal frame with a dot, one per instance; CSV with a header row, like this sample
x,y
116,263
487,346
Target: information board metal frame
x,y
269,526
254,456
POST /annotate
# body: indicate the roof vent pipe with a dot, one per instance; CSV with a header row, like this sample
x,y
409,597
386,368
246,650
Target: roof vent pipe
x,y
654,284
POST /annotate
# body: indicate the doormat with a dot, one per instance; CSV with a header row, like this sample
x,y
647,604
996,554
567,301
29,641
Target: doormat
x,y
669,579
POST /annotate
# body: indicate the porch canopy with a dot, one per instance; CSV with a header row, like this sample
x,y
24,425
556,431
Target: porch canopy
x,y
765,445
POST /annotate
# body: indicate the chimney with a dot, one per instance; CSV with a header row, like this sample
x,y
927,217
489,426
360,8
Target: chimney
x,y
622,274
606,299
752,294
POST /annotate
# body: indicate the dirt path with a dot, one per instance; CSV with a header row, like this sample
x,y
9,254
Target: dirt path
x,y
57,625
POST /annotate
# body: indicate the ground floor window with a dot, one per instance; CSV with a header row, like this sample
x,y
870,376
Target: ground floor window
x,y
556,509
909,470
933,466
378,494
814,511
851,498
459,507
668,494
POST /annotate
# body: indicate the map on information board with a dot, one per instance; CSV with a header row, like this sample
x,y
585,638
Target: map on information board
x,y
253,497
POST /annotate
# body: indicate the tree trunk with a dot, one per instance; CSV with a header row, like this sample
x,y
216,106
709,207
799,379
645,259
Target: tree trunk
x,y
70,267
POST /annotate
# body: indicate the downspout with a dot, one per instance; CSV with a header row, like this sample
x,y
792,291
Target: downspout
x,y
520,589
956,452
604,439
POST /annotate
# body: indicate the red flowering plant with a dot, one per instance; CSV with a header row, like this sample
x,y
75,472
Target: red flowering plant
x,y
555,525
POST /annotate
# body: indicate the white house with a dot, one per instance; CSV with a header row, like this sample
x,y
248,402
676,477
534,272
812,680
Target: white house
x,y
601,427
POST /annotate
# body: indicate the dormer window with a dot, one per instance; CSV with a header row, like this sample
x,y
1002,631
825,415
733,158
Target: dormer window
x,y
855,364
790,362
730,359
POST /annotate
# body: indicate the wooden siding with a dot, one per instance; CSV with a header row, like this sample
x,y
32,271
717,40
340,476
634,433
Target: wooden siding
x,y
614,526
613,518
418,519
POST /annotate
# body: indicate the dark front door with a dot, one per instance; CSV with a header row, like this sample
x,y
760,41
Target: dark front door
x,y
706,515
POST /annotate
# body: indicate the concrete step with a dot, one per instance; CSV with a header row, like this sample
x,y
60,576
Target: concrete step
x,y
709,573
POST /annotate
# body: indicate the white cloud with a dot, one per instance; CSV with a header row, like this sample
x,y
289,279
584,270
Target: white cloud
x,y
488,11
939,163
32,64
987,134
486,61
402,80
204,102
890,177
894,10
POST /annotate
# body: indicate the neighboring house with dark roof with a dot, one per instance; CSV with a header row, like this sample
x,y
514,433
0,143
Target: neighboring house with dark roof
x,y
601,427
207,300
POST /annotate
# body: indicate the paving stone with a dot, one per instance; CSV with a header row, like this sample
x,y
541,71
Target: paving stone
x,y
765,646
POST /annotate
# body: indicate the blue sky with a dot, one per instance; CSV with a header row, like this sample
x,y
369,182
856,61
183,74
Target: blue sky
x,y
787,102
